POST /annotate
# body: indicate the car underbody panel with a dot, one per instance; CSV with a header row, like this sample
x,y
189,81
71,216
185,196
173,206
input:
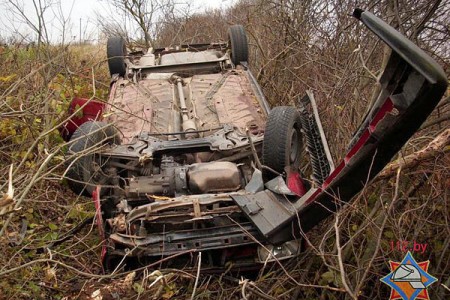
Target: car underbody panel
x,y
152,105
193,123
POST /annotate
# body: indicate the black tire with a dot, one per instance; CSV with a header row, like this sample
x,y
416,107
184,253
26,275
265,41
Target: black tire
x,y
282,144
238,44
82,175
116,52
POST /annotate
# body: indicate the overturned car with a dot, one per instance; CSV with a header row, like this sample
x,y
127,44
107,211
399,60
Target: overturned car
x,y
187,156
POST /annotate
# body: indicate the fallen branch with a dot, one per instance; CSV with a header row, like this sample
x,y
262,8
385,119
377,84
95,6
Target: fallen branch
x,y
435,121
436,147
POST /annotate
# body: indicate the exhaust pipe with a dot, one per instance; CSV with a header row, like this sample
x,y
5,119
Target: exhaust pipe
x,y
188,125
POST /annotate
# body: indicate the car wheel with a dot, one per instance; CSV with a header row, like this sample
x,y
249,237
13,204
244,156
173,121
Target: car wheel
x,y
238,43
282,144
116,52
84,172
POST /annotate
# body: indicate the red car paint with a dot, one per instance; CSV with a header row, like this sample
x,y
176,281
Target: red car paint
x,y
81,110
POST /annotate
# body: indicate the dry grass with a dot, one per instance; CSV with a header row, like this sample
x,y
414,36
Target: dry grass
x,y
36,87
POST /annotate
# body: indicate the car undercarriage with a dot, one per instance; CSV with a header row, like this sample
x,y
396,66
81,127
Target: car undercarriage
x,y
187,156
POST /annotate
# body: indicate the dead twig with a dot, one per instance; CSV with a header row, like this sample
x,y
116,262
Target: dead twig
x,y
199,264
247,284
7,202
339,257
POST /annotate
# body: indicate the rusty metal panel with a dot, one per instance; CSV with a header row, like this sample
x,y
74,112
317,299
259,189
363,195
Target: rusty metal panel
x,y
143,107
236,103
200,89
151,104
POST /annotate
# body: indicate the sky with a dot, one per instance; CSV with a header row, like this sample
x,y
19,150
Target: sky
x,y
79,13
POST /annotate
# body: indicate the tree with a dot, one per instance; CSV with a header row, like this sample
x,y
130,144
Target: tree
x,y
148,17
